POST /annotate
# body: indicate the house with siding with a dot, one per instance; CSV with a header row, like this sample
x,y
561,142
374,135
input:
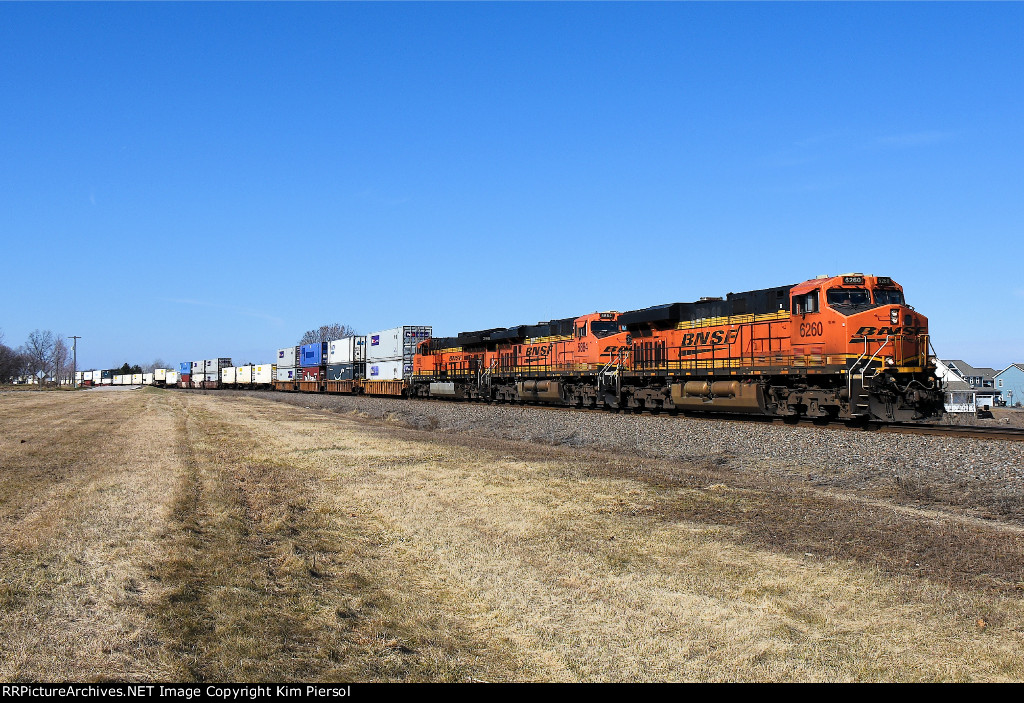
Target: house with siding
x,y
1010,382
981,377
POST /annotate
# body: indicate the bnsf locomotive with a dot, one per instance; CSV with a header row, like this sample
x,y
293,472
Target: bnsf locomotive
x,y
843,347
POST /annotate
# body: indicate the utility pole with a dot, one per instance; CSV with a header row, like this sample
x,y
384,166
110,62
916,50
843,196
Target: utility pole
x,y
74,362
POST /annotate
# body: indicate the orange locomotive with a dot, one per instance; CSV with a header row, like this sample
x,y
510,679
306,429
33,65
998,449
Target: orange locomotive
x,y
843,347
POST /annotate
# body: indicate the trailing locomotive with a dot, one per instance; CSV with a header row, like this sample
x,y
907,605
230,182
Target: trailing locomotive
x,y
842,347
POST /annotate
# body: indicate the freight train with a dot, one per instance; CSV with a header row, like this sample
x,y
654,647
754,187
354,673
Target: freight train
x,y
834,347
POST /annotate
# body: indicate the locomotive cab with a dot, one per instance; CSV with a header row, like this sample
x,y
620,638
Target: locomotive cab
x,y
862,326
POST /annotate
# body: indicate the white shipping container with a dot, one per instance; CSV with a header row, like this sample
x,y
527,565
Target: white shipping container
x,y
136,379
147,379
159,374
215,365
387,370
288,357
171,379
106,381
263,374
87,376
228,375
395,343
346,351
80,376
285,373
243,374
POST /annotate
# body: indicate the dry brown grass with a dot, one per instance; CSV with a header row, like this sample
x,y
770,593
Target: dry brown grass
x,y
251,540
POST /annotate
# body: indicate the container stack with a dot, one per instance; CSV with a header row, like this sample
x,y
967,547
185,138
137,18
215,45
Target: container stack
x,y
389,353
185,374
314,366
346,359
287,365
211,369
106,377
197,375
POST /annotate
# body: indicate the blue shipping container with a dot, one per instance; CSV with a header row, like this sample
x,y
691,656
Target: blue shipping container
x,y
185,367
314,354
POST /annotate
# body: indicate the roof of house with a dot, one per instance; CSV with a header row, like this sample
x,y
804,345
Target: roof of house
x,y
1019,367
965,369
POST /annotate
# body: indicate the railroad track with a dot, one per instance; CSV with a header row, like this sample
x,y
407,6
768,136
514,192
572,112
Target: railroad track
x,y
958,431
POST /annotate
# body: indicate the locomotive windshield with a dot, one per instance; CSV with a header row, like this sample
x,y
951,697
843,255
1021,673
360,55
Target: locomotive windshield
x,y
603,329
848,298
888,297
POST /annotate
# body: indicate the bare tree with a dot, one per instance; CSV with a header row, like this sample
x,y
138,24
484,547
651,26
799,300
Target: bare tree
x,y
12,364
157,363
60,357
39,350
328,333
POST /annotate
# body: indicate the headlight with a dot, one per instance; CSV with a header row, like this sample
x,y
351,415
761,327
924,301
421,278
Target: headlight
x,y
889,361
894,316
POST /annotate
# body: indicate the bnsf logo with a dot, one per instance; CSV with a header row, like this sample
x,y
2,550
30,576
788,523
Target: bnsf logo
x,y
717,337
538,352
868,331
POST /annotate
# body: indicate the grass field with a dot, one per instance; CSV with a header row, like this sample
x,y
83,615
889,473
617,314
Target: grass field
x,y
169,535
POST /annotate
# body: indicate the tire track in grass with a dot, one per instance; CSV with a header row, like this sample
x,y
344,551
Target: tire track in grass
x,y
263,582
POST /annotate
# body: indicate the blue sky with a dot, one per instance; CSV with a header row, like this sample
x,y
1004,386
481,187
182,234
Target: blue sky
x,y
221,177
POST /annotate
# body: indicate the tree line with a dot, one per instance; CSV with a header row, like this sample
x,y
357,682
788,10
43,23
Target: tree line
x,y
50,353
42,351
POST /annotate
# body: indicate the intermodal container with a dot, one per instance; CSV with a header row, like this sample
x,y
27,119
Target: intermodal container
x,y
184,368
312,373
287,373
387,370
198,366
215,365
171,379
104,374
227,375
185,380
341,372
86,376
289,357
147,379
395,343
263,374
136,379
243,375
159,374
349,350
313,355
